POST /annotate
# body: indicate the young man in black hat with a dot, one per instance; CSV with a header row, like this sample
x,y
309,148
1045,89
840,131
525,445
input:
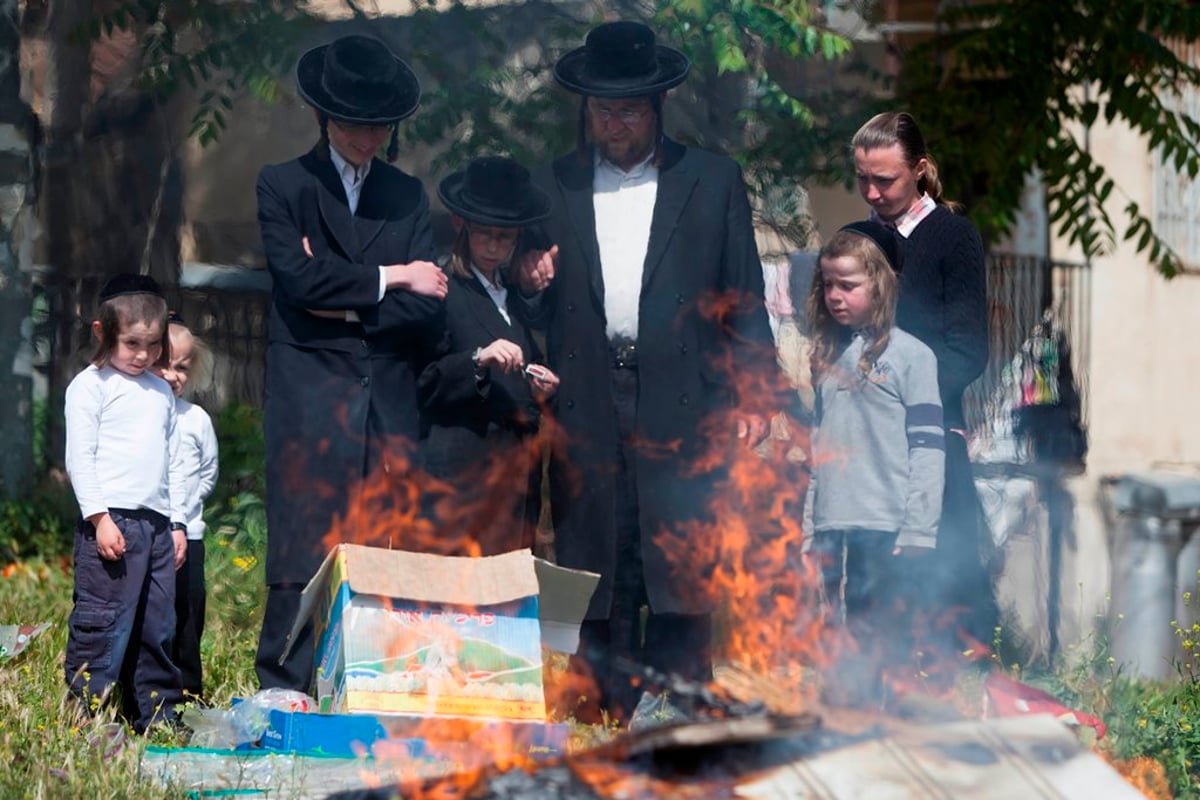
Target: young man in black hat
x,y
357,301
653,288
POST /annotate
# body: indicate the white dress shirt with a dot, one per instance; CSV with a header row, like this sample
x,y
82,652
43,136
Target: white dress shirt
x,y
624,207
497,291
352,177
352,181
121,441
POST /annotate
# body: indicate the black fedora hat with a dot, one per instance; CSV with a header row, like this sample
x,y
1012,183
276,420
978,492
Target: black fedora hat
x,y
621,59
357,79
494,190
885,237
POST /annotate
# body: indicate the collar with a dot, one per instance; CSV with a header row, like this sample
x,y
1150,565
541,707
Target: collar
x,y
636,171
496,285
907,222
356,174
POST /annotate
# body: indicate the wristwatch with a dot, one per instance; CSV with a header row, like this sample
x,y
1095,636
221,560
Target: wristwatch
x,y
475,357
178,526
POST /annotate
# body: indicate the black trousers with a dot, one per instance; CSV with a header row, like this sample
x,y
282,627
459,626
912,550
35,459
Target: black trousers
x,y
283,599
296,671
634,634
190,603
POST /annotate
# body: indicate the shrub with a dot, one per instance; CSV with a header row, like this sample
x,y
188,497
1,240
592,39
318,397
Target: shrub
x,y
40,525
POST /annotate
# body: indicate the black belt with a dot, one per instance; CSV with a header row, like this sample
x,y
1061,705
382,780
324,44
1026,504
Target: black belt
x,y
623,352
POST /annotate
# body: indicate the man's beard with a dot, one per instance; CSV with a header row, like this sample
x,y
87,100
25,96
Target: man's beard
x,y
625,152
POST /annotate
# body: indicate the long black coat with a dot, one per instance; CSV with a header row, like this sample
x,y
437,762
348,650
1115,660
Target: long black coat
x,y
475,434
336,390
701,242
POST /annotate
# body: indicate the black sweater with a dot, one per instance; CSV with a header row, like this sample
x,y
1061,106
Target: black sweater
x,y
943,302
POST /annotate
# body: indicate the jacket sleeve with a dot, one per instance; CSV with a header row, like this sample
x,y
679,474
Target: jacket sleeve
x,y
401,309
449,382
926,452
753,347
324,281
964,283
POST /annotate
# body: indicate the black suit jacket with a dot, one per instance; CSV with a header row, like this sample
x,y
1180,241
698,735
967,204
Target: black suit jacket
x,y
477,434
340,395
701,317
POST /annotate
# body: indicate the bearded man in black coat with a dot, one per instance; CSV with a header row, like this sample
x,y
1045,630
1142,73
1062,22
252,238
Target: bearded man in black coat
x,y
651,291
356,307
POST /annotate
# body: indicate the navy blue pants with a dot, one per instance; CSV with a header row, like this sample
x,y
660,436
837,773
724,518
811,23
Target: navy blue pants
x,y
862,583
123,622
859,575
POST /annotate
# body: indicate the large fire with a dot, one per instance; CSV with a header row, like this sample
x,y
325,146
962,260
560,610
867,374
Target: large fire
x,y
772,645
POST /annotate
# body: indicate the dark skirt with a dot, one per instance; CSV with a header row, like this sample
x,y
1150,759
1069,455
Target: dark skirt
x,y
960,581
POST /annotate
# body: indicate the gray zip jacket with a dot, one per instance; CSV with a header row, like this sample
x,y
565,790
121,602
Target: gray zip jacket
x,y
879,446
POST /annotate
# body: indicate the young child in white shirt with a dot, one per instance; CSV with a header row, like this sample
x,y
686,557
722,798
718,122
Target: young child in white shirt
x,y
196,462
129,541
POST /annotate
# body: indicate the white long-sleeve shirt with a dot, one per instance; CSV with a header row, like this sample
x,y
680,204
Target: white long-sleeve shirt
x,y
195,461
121,440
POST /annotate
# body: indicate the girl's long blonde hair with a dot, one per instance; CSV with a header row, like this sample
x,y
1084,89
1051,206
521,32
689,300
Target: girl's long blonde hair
x,y
829,336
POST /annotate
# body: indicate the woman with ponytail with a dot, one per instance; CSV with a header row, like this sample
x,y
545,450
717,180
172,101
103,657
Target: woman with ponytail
x,y
943,302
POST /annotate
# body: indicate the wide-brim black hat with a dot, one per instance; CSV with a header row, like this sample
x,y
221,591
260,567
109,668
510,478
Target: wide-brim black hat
x,y
496,191
886,238
621,59
357,79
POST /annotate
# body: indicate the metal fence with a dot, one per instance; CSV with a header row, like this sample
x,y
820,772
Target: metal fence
x,y
1021,291
233,325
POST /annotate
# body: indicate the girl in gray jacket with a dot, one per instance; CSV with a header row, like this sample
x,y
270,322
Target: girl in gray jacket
x,y
878,449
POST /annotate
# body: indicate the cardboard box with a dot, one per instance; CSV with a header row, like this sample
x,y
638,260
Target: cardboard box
x,y
393,737
425,635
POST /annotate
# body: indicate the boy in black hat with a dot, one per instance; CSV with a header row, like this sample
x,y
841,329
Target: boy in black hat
x,y
356,301
645,233
481,398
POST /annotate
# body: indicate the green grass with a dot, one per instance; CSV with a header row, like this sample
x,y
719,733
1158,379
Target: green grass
x,y
50,751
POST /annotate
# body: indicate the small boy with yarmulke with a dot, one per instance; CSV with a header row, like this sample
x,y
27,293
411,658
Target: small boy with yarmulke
x,y
130,539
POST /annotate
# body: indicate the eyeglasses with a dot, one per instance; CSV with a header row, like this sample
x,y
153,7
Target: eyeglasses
x,y
503,237
351,129
626,116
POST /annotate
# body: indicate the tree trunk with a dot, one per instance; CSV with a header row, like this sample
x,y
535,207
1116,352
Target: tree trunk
x,y
66,94
16,176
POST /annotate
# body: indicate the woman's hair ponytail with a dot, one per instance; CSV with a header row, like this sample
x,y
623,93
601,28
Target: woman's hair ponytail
x,y
899,128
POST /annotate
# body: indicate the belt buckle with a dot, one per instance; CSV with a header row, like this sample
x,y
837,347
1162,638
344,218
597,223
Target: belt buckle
x,y
624,355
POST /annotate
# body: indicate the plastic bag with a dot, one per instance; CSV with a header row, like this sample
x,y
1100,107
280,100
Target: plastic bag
x,y
655,710
246,722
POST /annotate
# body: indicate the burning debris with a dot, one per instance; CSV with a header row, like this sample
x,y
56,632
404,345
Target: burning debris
x,y
795,758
